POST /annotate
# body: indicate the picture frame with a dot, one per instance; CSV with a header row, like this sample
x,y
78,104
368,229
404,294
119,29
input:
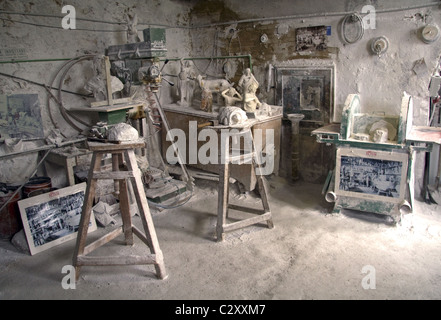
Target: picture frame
x,y
53,218
371,174
312,38
308,89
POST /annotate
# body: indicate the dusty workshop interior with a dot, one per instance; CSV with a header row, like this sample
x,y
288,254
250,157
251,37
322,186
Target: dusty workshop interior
x,y
220,149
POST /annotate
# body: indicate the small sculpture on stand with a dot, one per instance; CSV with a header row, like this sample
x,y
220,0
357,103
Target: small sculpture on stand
x,y
232,116
231,96
214,86
207,100
186,83
124,74
96,85
249,85
132,30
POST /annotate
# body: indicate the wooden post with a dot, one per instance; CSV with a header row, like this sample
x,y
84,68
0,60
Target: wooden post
x,y
108,81
261,215
148,237
86,212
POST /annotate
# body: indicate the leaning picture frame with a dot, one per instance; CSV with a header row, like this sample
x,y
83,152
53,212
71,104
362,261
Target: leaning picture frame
x,y
371,174
53,218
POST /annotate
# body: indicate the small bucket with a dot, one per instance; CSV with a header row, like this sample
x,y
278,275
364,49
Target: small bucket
x,y
37,183
40,191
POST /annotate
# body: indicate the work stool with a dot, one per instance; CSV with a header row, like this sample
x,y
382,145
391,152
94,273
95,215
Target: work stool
x,y
236,154
122,176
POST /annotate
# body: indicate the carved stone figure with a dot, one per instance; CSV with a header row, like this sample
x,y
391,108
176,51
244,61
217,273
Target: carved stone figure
x,y
248,82
213,85
118,70
207,100
132,30
97,84
231,96
251,102
249,85
232,116
186,84
381,131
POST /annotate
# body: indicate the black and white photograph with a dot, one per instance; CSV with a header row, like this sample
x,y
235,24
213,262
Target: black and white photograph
x,y
52,218
371,174
311,38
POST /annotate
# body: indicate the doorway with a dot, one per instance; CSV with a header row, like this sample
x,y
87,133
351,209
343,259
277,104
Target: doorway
x,y
310,91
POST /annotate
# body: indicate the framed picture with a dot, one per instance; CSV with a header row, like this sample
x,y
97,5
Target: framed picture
x,y
306,89
371,174
53,218
311,38
20,116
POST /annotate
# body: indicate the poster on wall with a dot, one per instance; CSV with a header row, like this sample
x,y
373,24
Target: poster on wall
x,y
20,117
311,38
307,89
53,218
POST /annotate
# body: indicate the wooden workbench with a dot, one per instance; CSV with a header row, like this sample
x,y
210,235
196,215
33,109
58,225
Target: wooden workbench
x,y
180,117
70,158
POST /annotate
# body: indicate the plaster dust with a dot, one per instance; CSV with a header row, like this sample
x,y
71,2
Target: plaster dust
x,y
14,171
310,254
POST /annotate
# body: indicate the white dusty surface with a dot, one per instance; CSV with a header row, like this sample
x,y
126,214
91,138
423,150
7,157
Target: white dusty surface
x,y
310,254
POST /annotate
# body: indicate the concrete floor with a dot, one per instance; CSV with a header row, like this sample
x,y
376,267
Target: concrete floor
x,y
310,254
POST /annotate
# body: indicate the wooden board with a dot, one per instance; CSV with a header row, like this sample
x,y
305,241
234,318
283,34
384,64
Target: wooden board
x,y
179,118
425,134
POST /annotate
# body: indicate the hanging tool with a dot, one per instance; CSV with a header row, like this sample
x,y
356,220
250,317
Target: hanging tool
x,y
208,123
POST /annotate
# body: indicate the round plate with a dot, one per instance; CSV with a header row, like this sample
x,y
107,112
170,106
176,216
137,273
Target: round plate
x,y
430,33
379,45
